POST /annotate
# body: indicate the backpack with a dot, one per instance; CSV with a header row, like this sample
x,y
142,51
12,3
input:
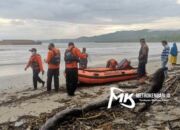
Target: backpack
x,y
69,57
56,59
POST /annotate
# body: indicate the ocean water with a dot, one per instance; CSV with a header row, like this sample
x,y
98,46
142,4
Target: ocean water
x,y
13,58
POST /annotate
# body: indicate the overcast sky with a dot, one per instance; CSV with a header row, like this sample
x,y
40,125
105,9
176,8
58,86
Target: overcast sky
x,y
48,19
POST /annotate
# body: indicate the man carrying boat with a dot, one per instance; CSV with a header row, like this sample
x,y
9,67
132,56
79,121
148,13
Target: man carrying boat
x,y
35,63
71,57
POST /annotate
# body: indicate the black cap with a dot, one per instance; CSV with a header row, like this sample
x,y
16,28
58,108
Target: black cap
x,y
71,44
142,40
33,50
51,44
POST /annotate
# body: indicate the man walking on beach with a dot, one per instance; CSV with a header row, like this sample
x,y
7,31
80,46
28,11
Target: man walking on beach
x,y
36,64
53,61
143,58
164,57
71,57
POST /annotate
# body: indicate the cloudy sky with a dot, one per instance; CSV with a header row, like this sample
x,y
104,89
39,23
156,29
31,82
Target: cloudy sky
x,y
48,19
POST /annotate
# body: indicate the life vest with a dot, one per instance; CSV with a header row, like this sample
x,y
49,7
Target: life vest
x,y
35,64
56,59
83,62
69,57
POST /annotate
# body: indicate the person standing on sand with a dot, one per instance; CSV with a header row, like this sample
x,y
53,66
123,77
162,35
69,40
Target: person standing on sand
x,y
36,64
173,53
53,61
143,58
83,61
71,57
164,57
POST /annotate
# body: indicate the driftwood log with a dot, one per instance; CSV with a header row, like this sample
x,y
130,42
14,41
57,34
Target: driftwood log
x,y
51,123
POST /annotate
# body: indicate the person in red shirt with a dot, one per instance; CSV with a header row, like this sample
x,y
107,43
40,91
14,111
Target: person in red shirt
x,y
35,63
71,57
53,61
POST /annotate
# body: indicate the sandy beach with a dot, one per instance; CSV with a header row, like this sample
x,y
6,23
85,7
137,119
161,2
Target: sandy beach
x,y
33,105
17,103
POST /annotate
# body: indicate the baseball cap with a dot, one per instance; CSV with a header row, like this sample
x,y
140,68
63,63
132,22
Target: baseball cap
x,y
33,50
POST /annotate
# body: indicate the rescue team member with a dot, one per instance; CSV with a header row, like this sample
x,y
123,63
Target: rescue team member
x,y
35,63
53,61
143,58
71,57
83,61
112,63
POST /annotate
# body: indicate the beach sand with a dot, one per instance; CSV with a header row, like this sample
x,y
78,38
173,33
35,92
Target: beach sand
x,y
25,102
16,102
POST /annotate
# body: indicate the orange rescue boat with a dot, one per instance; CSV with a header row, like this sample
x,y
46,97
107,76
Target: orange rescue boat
x,y
105,75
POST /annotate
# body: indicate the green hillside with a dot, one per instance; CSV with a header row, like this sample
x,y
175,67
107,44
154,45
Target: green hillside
x,y
128,36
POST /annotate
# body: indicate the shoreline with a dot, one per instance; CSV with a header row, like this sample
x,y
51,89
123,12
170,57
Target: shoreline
x,y
24,79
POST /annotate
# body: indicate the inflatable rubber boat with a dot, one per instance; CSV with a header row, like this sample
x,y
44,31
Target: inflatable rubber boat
x,y
105,75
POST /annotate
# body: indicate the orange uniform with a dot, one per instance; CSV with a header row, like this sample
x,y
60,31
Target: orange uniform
x,y
76,52
35,62
50,56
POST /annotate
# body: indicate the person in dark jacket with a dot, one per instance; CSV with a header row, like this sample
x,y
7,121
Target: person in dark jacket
x,y
143,58
35,63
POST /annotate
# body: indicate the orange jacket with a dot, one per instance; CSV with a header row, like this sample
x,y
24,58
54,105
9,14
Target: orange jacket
x,y
49,58
35,59
76,52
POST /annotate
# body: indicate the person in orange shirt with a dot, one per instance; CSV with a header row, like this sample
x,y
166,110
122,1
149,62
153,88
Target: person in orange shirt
x,y
71,57
83,61
35,63
112,63
53,61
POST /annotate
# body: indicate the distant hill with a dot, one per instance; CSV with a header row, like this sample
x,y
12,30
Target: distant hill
x,y
19,42
128,36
